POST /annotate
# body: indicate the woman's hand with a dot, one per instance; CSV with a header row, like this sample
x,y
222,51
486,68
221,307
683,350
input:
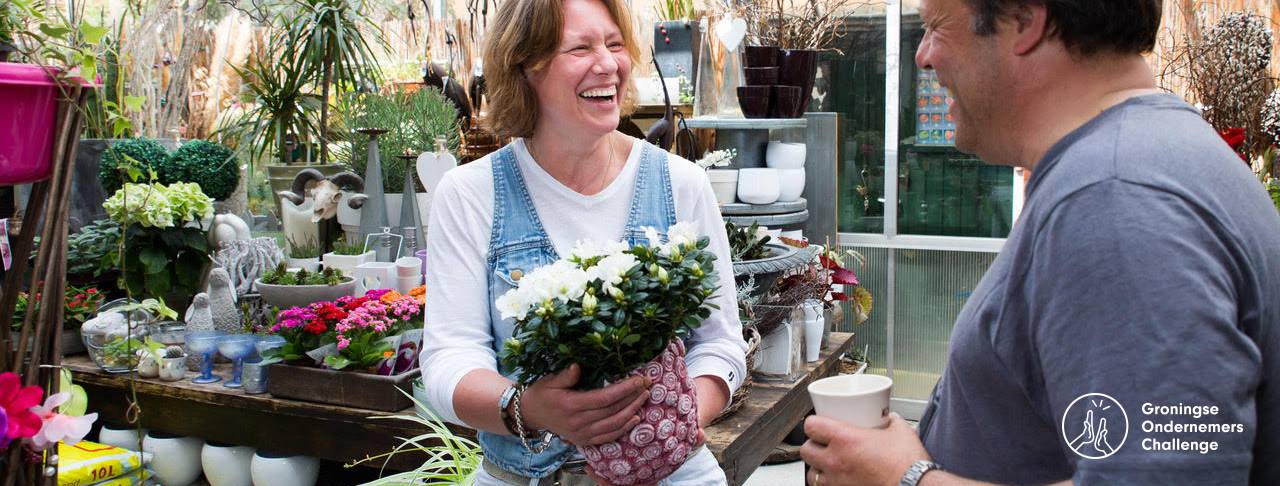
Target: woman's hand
x,y
583,418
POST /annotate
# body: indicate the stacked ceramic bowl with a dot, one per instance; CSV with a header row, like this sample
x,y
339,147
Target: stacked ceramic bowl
x,y
788,159
774,88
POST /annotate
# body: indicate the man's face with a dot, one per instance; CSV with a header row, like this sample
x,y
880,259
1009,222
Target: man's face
x,y
969,66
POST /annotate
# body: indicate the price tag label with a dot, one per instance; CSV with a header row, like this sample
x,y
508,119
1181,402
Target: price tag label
x,y
5,253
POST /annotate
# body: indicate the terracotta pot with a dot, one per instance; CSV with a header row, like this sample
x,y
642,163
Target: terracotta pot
x,y
668,428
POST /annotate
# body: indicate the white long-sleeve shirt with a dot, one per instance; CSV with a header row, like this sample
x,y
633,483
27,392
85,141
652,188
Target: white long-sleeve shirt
x,y
458,338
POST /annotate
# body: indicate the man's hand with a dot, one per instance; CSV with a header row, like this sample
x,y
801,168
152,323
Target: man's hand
x,y
843,455
583,418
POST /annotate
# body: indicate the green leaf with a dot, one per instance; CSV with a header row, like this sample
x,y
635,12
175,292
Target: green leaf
x,y
336,362
158,284
92,34
54,31
154,260
134,103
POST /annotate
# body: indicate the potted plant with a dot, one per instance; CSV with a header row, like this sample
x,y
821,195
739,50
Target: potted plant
x,y
415,121
794,33
79,305
114,336
284,288
145,154
366,346
86,250
345,257
757,263
618,312
724,182
304,255
164,249
211,165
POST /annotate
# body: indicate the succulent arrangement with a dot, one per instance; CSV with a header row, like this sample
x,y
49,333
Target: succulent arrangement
x,y
282,276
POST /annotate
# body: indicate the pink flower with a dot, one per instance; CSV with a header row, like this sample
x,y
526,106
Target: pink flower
x,y
58,427
17,402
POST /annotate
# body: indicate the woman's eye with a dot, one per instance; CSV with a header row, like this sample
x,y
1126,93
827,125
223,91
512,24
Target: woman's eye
x,y
616,46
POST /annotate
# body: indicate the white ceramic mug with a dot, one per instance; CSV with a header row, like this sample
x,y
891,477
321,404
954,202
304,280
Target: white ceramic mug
x,y
860,400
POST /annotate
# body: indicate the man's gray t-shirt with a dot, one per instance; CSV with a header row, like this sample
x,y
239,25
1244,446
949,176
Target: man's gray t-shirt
x,y
1145,269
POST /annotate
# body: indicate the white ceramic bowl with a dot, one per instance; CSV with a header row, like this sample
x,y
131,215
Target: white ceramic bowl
x,y
758,186
790,184
123,438
785,155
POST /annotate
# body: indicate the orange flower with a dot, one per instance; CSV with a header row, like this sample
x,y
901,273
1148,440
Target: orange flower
x,y
419,294
388,354
390,296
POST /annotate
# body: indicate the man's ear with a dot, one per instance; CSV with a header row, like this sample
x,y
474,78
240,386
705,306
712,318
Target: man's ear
x,y
1030,24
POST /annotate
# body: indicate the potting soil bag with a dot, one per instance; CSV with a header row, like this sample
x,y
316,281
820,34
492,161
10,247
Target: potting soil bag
x,y
132,478
89,463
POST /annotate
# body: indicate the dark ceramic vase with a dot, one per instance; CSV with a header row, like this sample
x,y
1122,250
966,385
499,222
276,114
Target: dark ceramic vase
x,y
799,66
760,56
760,76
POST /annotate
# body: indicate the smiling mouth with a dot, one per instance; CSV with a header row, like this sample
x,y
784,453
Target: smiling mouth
x,y
599,95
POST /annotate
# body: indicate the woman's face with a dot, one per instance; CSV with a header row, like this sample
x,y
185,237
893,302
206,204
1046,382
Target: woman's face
x,y
581,88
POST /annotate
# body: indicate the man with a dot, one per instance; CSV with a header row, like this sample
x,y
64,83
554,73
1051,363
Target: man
x,y
1127,331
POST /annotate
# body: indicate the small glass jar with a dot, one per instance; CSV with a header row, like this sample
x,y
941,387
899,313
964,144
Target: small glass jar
x,y
169,333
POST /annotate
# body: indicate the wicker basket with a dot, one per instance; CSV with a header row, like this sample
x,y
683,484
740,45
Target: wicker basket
x,y
739,397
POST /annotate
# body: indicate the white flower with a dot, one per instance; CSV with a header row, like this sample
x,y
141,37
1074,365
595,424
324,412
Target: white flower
x,y
651,234
560,280
718,158
761,233
584,250
611,269
514,304
680,235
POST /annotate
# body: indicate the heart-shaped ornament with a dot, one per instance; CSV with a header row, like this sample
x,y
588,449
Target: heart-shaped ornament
x,y
432,166
731,31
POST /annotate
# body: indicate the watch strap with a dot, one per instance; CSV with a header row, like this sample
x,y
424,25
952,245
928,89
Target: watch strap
x,y
917,471
504,409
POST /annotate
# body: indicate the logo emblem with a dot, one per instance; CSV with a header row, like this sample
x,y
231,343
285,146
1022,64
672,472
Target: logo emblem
x,y
1095,426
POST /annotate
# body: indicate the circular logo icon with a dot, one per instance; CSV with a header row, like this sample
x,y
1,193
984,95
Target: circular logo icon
x,y
1095,426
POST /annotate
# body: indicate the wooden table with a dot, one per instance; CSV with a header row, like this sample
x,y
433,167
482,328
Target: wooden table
x,y
741,442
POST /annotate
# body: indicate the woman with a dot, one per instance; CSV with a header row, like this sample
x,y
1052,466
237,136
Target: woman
x,y
558,74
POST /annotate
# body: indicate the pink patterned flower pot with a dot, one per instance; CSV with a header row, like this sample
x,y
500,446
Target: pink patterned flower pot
x,y
667,432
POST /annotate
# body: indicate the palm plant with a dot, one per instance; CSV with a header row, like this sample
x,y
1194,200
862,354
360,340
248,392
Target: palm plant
x,y
329,39
282,107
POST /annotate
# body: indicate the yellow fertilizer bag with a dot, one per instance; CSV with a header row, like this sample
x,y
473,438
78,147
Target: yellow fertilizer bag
x,y
91,463
137,477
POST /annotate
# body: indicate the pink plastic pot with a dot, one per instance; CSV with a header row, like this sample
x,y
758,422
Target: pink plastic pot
x,y
28,108
668,427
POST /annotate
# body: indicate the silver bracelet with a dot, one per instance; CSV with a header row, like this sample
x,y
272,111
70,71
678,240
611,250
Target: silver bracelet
x,y
917,471
520,430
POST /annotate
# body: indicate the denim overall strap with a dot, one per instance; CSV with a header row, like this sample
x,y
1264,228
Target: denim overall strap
x,y
518,245
652,205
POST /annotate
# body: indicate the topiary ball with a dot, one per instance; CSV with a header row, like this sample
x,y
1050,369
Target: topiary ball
x,y
148,153
213,166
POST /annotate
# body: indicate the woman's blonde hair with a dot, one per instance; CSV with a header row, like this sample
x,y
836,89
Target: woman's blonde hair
x,y
526,34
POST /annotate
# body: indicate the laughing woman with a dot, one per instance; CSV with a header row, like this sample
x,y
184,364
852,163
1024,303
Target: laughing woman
x,y
558,74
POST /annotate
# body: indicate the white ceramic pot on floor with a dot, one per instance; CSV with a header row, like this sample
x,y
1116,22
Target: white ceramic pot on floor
x,y
270,469
175,459
226,464
122,437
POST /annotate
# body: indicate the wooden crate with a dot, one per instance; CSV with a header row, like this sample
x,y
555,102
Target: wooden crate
x,y
346,388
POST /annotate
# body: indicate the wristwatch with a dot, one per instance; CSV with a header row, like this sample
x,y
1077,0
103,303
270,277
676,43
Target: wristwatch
x,y
917,471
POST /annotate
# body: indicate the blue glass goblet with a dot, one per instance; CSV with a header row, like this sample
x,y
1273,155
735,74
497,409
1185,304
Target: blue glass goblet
x,y
237,347
205,344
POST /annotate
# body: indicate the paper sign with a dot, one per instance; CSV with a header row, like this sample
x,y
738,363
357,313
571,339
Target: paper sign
x,y
5,252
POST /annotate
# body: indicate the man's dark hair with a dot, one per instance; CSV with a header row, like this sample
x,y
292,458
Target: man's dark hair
x,y
1084,26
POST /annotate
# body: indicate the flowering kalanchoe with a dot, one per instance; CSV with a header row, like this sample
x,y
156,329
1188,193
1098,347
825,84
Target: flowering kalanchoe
x,y
609,310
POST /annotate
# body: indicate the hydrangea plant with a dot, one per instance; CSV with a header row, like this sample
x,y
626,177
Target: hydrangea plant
x,y
161,251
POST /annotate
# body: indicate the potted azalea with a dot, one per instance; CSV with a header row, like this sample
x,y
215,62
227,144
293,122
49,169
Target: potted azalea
x,y
286,288
616,312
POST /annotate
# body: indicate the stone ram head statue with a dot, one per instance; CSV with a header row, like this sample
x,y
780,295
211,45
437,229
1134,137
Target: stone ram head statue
x,y
327,192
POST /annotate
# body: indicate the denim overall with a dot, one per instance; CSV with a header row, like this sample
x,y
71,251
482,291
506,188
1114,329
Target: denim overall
x,y
519,244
